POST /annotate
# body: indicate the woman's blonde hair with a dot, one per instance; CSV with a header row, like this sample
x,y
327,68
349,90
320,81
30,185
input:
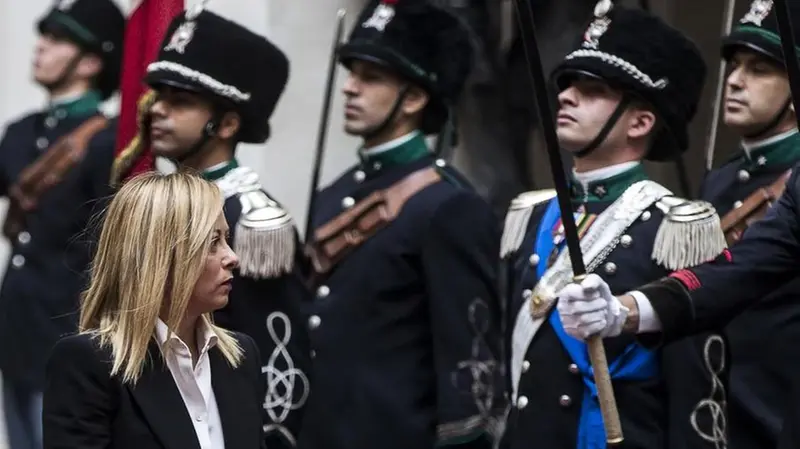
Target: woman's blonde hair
x,y
155,237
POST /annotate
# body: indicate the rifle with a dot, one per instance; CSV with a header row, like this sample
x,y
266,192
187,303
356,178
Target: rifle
x,y
727,23
322,131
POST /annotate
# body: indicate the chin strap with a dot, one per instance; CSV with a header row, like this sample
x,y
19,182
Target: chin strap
x,y
601,136
772,123
209,131
62,79
381,127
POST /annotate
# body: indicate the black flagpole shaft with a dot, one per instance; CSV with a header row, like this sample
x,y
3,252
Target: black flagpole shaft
x,y
597,353
322,132
551,140
789,53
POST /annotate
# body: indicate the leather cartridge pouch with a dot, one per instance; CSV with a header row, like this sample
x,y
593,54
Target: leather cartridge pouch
x,y
334,240
735,222
48,170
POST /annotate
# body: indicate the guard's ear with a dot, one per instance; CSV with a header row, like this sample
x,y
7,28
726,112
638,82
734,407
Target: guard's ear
x,y
229,125
89,66
414,101
641,122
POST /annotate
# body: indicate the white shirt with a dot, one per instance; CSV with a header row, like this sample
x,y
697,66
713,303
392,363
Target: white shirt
x,y
194,383
648,318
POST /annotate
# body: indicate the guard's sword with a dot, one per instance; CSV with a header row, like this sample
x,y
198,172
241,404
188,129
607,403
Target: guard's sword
x,y
711,141
789,53
322,132
597,352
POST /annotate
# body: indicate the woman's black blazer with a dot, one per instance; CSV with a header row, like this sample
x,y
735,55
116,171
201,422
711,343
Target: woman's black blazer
x,y
85,408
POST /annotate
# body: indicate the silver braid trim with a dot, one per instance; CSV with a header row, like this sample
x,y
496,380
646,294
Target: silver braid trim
x,y
714,404
616,61
224,90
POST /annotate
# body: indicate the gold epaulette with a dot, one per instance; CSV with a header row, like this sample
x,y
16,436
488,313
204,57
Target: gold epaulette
x,y
265,234
689,235
519,213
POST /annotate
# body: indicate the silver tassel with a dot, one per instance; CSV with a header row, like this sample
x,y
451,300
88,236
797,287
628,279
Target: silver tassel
x,y
689,235
265,237
517,217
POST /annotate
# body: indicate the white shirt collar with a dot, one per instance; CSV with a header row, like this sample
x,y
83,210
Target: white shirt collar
x,y
206,337
600,174
748,148
216,166
390,145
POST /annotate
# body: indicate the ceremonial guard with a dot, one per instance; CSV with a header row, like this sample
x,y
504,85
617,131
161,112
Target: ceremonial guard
x,y
730,386
703,298
54,164
626,94
405,326
215,85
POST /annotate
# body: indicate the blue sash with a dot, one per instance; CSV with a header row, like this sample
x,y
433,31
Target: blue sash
x,y
544,244
635,363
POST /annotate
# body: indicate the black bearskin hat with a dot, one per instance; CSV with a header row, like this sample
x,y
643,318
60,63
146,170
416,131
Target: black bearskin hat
x,y
206,53
422,42
97,26
639,53
758,31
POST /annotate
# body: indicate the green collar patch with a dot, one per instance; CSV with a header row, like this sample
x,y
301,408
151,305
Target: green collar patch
x,y
608,189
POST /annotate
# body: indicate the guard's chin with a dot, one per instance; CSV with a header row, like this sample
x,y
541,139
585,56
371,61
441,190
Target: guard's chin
x,y
569,143
354,129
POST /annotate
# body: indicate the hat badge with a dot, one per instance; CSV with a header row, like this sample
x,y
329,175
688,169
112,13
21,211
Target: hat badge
x,y
185,32
383,14
759,10
181,37
599,26
65,5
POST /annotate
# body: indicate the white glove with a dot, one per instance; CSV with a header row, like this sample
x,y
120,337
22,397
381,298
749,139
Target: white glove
x,y
589,308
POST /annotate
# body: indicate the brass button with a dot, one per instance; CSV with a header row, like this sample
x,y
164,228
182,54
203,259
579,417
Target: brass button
x,y
626,241
522,402
440,163
645,215
610,268
533,260
323,291
359,176
573,368
348,202
314,321
42,143
564,400
737,204
526,365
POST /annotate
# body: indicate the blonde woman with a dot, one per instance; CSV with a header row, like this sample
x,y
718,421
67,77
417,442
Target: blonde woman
x,y
149,369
